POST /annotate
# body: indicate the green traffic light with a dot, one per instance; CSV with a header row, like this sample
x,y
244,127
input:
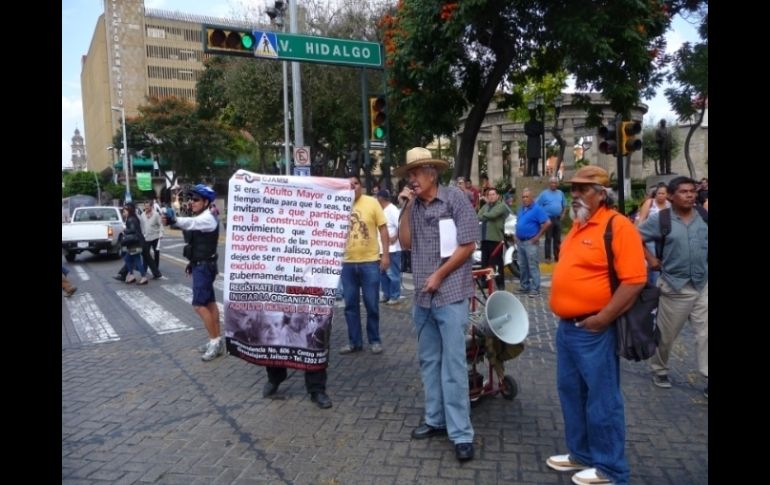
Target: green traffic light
x,y
247,41
379,132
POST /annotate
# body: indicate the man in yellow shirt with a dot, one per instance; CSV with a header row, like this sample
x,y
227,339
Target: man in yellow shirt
x,y
361,269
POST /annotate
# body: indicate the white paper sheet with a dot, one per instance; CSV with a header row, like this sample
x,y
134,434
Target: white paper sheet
x,y
448,234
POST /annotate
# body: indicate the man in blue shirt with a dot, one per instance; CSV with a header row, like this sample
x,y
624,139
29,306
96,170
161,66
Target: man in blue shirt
x,y
684,278
532,222
555,205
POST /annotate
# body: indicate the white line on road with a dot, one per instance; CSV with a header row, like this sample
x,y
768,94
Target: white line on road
x,y
155,315
185,293
89,322
82,275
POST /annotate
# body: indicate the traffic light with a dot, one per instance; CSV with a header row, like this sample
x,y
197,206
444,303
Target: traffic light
x,y
609,144
228,41
628,141
378,117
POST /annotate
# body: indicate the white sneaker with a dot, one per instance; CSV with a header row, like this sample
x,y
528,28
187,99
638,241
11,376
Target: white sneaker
x,y
564,463
590,476
213,350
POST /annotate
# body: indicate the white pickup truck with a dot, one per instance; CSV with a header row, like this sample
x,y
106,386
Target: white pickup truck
x,y
92,229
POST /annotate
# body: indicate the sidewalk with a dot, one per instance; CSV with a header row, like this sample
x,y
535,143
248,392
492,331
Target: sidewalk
x,y
147,410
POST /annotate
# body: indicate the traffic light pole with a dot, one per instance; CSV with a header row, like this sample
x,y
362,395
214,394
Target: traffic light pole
x,y
621,167
364,127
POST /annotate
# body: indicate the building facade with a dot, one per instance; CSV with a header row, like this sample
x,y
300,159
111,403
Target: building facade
x,y
136,53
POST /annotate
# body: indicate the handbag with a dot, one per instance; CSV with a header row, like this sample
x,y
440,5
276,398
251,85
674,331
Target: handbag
x,y
638,334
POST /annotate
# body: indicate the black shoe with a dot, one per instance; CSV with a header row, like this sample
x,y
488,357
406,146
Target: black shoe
x,y
321,400
119,277
426,431
464,451
269,389
157,276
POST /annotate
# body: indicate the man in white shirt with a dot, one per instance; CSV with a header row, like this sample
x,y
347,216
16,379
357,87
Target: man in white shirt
x,y
390,281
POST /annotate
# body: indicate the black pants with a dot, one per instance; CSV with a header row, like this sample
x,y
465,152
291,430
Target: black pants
x,y
553,236
151,263
315,381
496,261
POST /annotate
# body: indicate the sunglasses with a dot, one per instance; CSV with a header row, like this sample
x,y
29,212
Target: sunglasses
x,y
195,199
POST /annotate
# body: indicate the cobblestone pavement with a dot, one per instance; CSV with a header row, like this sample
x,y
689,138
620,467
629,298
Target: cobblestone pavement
x,y
146,409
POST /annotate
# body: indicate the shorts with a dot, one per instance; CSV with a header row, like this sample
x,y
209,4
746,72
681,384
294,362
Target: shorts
x,y
203,283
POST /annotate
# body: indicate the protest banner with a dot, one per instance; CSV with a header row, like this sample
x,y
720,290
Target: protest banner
x,y
285,243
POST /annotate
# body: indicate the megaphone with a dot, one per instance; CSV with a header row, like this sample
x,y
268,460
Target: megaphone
x,y
505,318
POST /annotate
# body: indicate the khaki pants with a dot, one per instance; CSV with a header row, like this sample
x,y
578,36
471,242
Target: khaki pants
x,y
674,309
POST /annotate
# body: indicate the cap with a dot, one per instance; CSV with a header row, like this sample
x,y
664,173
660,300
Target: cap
x,y
383,193
591,174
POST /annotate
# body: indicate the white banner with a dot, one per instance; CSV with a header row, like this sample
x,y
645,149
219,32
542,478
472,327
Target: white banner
x,y
286,238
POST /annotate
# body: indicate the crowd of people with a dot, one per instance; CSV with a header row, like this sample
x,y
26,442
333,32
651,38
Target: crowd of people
x,y
674,258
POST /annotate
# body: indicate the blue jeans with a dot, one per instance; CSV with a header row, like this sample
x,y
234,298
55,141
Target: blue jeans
x,y
390,281
529,265
588,380
363,278
444,368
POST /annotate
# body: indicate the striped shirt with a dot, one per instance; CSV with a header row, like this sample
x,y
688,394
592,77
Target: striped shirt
x,y
450,203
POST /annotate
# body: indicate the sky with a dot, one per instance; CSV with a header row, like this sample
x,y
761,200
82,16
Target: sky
x,y
79,21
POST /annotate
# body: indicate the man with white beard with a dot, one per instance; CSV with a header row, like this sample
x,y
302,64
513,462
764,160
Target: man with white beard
x,y
587,367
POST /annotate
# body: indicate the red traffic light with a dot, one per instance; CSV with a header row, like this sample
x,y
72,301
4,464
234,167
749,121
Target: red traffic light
x,y
609,144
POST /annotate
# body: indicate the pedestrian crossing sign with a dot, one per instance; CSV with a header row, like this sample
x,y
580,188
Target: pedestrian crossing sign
x,y
267,44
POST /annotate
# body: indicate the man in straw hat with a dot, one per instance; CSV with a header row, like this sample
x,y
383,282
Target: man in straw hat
x,y
440,227
587,367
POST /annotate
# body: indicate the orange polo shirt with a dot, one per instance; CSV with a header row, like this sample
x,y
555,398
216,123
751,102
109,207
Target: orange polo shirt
x,y
580,283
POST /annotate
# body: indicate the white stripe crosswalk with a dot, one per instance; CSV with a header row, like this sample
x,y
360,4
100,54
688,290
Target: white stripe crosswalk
x,y
160,319
90,323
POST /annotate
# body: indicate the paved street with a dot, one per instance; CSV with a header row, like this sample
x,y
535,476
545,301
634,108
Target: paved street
x,y
139,406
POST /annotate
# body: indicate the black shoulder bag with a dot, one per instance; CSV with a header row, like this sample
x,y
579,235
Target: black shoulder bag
x,y
637,329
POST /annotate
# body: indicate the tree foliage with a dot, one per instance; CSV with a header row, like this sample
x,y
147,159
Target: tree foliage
x,y
446,58
689,74
171,128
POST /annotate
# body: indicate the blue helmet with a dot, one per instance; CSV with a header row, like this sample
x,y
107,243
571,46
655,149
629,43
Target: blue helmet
x,y
204,191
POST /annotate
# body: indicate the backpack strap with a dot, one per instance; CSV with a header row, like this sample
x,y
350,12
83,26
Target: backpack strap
x,y
614,283
665,229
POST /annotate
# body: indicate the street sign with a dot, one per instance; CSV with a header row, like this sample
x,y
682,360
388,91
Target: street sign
x,y
302,171
377,144
302,156
280,46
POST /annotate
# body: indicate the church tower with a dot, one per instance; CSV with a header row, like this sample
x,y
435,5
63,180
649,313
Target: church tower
x,y
78,152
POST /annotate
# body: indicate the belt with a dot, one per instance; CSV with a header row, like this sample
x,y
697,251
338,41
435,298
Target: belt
x,y
579,318
207,260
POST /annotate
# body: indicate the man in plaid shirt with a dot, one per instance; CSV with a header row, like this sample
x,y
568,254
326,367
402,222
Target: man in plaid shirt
x,y
443,286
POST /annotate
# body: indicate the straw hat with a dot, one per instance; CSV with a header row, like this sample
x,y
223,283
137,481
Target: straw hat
x,y
418,157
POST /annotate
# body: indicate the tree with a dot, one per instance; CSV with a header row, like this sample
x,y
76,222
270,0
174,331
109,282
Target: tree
x,y
79,183
449,57
689,99
171,128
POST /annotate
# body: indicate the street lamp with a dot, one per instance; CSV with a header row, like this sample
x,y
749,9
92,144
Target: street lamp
x,y
276,14
125,151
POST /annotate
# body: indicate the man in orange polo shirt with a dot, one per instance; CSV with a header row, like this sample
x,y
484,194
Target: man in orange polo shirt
x,y
587,368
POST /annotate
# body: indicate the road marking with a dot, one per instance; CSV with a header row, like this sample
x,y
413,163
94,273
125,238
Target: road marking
x,y
82,275
186,294
172,246
89,322
155,315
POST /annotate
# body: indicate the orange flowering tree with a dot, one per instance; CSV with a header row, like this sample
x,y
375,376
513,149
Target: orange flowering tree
x,y
448,58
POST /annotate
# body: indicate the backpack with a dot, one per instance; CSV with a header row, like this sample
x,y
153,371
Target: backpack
x,y
665,227
638,335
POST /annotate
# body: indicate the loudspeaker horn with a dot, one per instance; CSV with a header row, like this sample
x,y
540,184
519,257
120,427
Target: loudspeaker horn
x,y
505,318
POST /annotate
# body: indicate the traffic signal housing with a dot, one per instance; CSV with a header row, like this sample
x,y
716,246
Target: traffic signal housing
x,y
609,143
228,41
628,141
378,117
